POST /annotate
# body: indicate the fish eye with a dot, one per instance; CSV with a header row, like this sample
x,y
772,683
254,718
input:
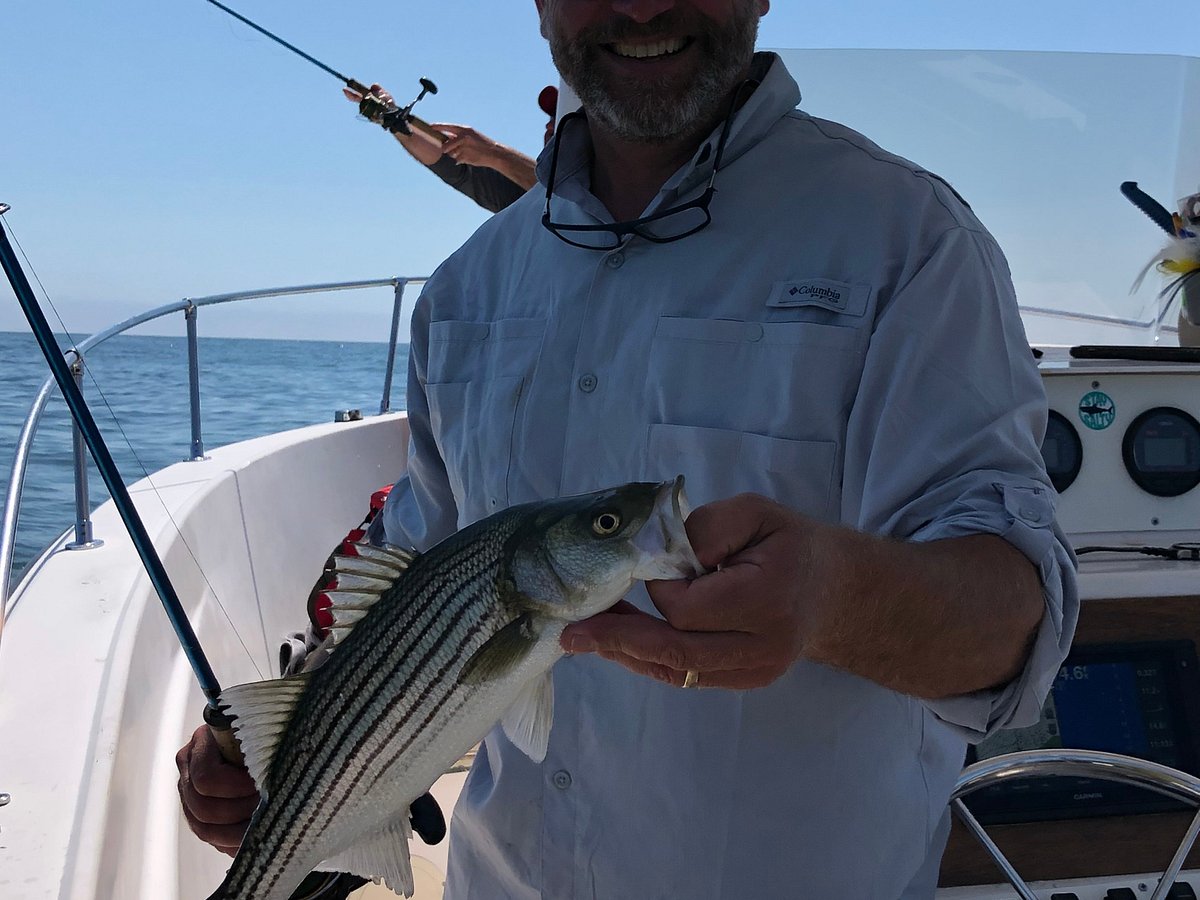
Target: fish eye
x,y
606,523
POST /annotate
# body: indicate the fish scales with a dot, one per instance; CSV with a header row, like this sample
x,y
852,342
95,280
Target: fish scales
x,y
456,593
454,642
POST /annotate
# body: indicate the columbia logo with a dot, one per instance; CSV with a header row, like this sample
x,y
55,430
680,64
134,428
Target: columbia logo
x,y
824,293
816,291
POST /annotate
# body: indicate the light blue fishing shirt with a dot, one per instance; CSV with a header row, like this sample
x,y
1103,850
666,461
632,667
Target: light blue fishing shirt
x,y
844,338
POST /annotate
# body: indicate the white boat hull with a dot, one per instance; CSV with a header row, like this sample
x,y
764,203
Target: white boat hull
x,y
96,814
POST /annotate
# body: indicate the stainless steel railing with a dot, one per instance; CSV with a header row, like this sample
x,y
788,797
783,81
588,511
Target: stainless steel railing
x,y
76,355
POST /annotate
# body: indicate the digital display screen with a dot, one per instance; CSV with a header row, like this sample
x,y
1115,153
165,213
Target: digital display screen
x,y
1135,699
1165,453
1117,707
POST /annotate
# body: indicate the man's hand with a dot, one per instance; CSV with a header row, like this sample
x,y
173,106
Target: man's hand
x,y
468,146
424,148
905,614
739,626
376,91
218,797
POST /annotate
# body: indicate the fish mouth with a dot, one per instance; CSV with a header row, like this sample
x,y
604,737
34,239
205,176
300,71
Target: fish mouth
x,y
664,551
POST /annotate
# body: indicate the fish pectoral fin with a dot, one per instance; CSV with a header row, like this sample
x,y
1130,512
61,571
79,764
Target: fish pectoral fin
x,y
527,722
261,711
380,857
502,652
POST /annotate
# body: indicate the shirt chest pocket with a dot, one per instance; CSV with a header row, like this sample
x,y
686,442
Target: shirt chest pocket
x,y
754,406
475,380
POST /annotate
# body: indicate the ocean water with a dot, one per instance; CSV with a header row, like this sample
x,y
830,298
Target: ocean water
x,y
247,388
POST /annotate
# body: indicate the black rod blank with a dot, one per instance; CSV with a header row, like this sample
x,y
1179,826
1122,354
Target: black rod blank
x,y
108,470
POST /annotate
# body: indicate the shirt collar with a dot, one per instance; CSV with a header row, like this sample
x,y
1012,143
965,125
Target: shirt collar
x,y
776,95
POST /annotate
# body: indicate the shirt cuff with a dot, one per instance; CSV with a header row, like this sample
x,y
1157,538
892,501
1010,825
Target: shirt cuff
x,y
1022,514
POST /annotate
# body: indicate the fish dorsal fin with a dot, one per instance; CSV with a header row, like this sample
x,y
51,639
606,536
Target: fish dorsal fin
x,y
261,712
360,581
389,554
503,651
527,722
381,856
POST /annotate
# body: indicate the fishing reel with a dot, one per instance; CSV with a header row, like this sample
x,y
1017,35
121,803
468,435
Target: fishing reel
x,y
391,117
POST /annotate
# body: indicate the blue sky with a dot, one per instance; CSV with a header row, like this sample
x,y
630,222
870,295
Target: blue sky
x,y
156,150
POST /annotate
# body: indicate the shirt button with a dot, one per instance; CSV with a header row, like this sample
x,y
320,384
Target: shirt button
x,y
1029,514
562,779
587,383
615,260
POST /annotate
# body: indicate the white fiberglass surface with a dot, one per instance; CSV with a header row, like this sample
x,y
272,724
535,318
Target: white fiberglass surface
x,y
94,679
1038,143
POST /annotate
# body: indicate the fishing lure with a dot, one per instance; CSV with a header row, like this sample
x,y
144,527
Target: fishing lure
x,y
1180,257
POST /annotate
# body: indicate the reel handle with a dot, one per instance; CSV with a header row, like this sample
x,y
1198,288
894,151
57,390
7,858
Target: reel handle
x,y
221,726
394,119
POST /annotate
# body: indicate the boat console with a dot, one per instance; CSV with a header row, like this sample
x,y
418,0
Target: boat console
x,y
1123,449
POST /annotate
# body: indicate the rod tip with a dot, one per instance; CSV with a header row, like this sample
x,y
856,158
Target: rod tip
x,y
4,207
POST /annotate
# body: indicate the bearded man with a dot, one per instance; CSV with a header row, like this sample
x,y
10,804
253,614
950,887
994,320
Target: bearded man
x,y
824,340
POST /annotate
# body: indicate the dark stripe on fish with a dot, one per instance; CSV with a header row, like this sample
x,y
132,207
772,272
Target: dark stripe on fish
x,y
371,677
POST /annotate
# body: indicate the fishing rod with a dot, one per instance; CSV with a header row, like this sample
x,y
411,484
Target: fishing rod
x,y
399,120
108,470
220,723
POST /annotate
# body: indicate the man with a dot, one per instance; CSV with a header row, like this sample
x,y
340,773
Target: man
x,y
779,307
492,174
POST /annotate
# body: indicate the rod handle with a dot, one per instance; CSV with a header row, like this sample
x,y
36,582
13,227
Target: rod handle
x,y
426,129
220,724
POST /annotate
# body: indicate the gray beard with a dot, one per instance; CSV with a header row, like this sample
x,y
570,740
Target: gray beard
x,y
646,113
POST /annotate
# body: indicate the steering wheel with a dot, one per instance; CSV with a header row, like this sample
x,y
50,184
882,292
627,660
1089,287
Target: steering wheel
x,y
1077,763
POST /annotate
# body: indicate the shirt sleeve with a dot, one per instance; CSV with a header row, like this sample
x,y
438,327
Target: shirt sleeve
x,y
485,186
420,510
944,441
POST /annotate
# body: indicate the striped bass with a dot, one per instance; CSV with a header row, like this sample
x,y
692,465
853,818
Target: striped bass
x,y
431,650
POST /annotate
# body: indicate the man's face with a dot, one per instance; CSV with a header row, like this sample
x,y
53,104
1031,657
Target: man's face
x,y
652,71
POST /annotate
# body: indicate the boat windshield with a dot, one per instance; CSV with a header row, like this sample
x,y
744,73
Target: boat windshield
x,y
1039,144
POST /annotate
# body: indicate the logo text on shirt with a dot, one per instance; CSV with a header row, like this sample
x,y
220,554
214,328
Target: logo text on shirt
x,y
837,296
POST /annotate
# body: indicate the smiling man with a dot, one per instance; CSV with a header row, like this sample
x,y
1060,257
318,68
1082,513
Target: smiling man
x,y
824,339
715,283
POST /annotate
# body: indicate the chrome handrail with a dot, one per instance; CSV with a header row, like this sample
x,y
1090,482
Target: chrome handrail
x,y
188,306
1127,770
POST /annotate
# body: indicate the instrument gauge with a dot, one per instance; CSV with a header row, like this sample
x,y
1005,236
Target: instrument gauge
x,y
1062,451
1162,451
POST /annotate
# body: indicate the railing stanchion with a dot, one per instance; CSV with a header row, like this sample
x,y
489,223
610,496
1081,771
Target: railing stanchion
x,y
385,405
11,507
84,539
193,347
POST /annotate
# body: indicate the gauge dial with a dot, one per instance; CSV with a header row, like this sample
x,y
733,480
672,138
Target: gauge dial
x,y
1062,451
1162,451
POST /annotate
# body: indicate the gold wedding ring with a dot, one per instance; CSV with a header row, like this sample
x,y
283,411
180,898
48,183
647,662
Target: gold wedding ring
x,y
691,679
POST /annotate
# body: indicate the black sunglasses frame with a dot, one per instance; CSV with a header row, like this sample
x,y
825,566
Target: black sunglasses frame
x,y
621,230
